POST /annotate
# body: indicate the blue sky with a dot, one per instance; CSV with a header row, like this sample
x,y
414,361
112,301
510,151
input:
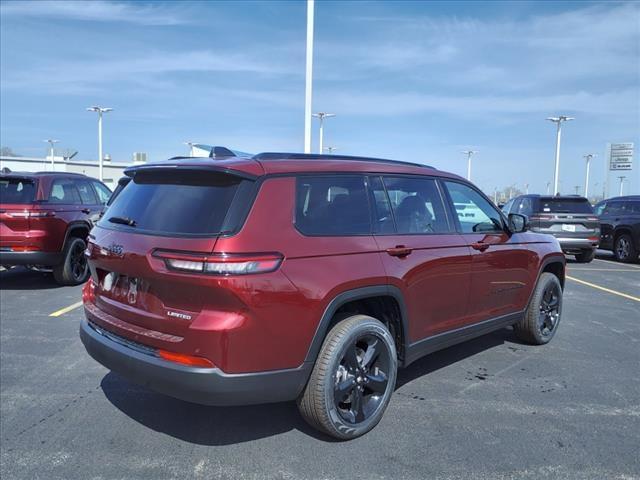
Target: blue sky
x,y
416,81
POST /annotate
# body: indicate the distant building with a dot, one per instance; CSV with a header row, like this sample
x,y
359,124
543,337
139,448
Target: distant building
x,y
112,171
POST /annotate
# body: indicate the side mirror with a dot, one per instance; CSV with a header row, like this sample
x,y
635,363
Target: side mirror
x,y
518,223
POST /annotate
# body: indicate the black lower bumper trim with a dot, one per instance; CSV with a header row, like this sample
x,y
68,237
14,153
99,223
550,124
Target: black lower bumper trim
x,y
207,386
45,259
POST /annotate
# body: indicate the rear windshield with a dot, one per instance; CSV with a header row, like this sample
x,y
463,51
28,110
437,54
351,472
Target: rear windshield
x,y
182,203
17,190
564,205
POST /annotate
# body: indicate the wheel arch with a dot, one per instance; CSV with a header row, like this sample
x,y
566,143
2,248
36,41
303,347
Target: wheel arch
x,y
77,229
358,296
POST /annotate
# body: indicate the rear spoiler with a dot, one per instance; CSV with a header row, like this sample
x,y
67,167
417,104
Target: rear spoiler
x,y
131,171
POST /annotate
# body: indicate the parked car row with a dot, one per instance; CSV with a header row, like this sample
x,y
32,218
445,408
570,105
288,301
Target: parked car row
x,y
613,224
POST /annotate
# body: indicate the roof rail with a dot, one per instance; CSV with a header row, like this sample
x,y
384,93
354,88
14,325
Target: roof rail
x,y
317,156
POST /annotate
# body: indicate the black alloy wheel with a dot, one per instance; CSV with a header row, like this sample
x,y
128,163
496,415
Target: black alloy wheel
x,y
362,379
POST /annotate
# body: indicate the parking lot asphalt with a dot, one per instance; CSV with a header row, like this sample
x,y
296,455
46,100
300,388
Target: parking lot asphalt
x,y
491,408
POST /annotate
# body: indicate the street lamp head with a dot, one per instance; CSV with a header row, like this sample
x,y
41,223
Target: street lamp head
x,y
99,109
51,141
561,118
322,115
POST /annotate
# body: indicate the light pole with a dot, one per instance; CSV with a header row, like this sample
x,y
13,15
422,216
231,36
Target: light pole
x,y
469,154
621,184
330,149
558,121
322,116
51,143
308,78
577,187
548,187
100,111
588,158
190,145
526,189
495,195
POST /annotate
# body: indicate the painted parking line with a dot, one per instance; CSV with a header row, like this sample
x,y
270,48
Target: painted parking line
x,y
614,263
580,269
64,310
608,290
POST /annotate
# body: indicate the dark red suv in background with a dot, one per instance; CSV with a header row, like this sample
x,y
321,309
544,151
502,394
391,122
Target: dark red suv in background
x,y
288,276
45,219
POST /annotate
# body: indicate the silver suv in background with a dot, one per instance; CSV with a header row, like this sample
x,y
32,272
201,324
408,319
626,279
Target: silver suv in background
x,y
569,218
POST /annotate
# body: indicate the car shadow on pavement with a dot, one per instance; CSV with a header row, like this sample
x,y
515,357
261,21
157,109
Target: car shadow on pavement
x,y
205,425
23,279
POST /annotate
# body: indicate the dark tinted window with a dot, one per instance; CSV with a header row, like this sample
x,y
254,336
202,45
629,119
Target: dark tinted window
x,y
187,202
64,191
86,193
524,207
508,205
332,205
564,205
634,207
17,190
613,208
475,214
417,205
103,192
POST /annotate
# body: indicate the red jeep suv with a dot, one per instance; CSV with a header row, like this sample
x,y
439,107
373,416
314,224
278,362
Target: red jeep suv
x,y
308,277
45,218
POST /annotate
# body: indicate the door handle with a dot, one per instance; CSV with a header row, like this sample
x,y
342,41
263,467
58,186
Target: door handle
x,y
481,246
86,210
399,251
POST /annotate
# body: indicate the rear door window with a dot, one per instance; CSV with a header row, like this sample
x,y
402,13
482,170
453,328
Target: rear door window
x,y
332,205
565,205
103,192
189,202
87,195
417,205
17,190
64,191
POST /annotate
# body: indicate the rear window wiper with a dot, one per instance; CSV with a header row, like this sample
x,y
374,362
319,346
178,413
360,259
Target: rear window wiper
x,y
123,221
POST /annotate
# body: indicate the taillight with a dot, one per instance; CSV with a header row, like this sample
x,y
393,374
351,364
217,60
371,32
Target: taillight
x,y
220,264
31,214
190,360
89,292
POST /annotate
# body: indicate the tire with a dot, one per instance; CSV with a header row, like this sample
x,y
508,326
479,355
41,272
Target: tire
x,y
624,249
543,314
359,356
74,270
586,256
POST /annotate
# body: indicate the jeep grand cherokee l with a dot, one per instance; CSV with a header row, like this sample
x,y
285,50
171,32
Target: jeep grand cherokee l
x,y
569,218
45,218
308,277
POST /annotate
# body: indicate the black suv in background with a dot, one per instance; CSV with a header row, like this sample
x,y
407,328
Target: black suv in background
x,y
620,226
570,219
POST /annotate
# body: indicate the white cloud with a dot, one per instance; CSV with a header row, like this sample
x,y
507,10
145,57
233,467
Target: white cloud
x,y
95,10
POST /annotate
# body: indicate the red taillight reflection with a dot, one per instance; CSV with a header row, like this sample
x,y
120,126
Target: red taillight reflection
x,y
220,264
184,359
89,292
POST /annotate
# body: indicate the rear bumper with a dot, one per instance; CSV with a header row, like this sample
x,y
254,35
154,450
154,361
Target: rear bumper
x,y
207,386
577,244
47,259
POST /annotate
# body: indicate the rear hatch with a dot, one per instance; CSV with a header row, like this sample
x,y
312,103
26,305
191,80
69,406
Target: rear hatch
x,y
161,214
565,217
17,207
